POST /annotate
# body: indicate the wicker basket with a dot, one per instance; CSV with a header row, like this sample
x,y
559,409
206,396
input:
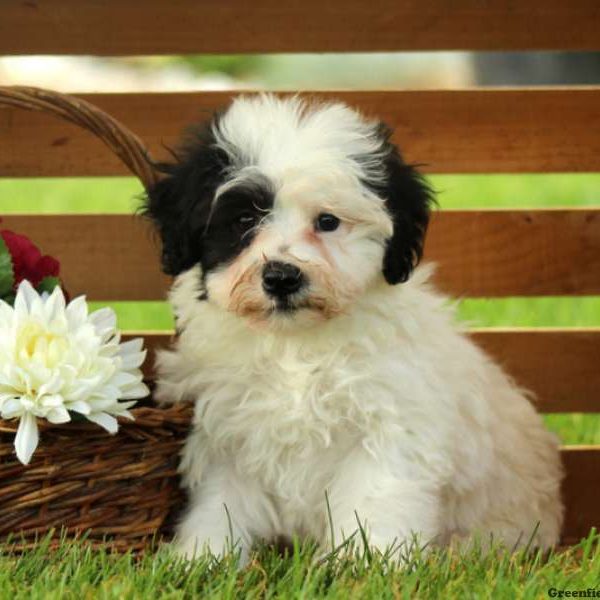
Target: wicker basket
x,y
121,490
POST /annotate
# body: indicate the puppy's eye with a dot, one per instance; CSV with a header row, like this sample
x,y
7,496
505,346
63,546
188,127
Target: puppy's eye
x,y
245,221
327,222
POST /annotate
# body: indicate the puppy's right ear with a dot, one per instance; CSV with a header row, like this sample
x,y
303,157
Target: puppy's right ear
x,y
166,209
179,204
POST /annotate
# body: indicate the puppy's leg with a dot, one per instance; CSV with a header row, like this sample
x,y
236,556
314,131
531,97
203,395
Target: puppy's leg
x,y
225,515
395,511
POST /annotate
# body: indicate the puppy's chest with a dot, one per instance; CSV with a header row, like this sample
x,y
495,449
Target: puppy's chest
x,y
289,403
281,415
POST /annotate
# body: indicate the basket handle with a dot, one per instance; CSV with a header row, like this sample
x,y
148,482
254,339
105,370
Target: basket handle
x,y
123,142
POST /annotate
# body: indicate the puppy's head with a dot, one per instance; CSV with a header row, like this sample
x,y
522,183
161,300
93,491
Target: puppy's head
x,y
290,211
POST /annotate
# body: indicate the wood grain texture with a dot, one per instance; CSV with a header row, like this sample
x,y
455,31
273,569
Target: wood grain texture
x,y
122,27
516,252
560,366
108,257
479,253
581,491
504,131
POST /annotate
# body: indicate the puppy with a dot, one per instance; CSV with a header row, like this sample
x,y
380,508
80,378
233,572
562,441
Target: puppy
x,y
332,388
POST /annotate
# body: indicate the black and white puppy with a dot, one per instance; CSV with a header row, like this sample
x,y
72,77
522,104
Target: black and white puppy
x,y
287,226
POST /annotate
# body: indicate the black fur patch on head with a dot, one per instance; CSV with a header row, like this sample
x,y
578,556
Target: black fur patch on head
x,y
408,199
232,225
193,228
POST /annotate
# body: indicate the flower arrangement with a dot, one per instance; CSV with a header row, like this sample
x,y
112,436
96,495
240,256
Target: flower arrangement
x,y
57,359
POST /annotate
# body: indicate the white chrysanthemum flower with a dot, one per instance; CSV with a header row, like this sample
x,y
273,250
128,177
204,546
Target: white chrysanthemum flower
x,y
56,358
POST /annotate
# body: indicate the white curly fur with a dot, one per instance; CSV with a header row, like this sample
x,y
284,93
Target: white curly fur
x,y
383,403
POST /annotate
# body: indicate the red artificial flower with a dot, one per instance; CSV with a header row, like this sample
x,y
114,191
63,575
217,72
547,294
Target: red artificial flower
x,y
28,262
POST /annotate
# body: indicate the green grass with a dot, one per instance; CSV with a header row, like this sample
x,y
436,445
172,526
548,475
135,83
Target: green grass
x,y
517,191
119,194
74,571
70,195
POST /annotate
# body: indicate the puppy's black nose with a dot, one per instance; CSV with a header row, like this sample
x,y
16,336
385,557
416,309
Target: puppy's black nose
x,y
281,279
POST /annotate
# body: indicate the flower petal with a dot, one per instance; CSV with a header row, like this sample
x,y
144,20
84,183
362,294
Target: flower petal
x,y
77,312
80,406
6,314
11,408
135,392
50,401
105,421
131,346
52,385
27,438
55,304
58,415
122,379
26,296
104,320
133,360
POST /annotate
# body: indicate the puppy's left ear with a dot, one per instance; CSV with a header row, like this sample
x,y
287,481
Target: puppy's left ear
x,y
408,200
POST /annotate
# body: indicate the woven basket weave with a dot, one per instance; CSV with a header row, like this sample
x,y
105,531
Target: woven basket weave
x,y
120,490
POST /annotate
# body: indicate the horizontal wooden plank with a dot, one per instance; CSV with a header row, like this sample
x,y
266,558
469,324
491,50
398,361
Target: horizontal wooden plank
x,y
516,252
479,253
581,490
108,257
119,27
560,366
501,131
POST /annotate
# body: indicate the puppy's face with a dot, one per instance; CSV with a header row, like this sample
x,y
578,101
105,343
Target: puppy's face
x,y
290,212
301,248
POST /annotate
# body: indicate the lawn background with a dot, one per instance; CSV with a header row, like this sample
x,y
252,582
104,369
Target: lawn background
x,y
74,573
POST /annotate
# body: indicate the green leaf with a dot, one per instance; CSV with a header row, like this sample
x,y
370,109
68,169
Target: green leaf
x,y
48,284
10,299
7,278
